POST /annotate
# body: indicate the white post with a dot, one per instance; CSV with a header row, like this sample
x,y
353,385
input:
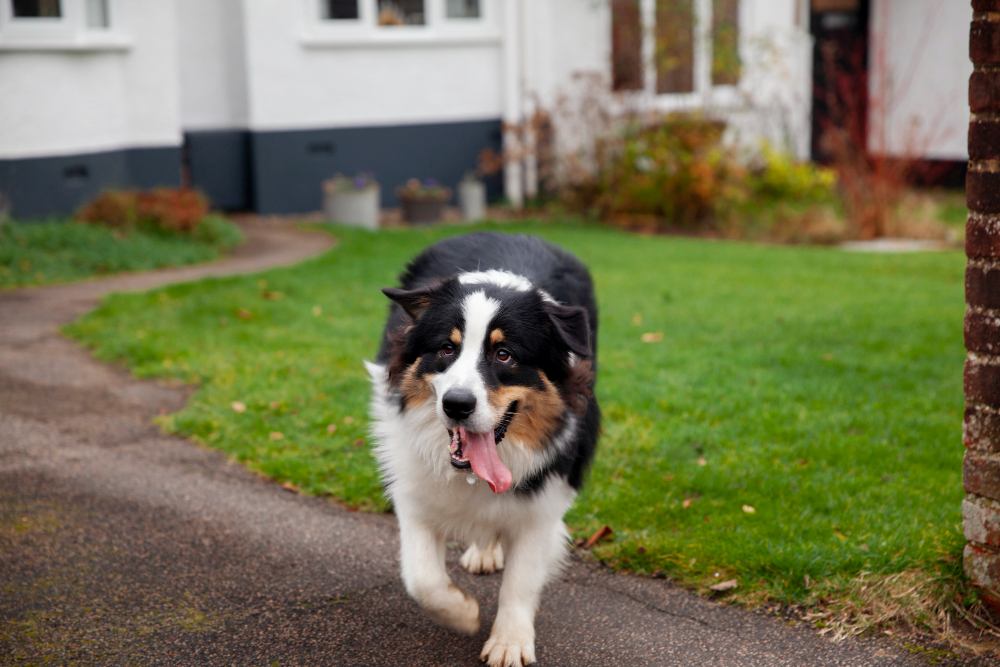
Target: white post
x,y
529,21
513,174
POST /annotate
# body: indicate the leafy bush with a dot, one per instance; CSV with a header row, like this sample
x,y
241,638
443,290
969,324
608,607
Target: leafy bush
x,y
776,175
163,210
217,232
676,171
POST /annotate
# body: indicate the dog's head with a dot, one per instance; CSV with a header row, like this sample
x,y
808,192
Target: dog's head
x,y
498,357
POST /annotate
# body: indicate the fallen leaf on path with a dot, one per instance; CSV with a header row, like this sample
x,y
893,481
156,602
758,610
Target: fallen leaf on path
x,y
722,586
288,486
604,532
238,406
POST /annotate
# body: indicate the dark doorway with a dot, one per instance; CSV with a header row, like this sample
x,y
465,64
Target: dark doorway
x,y
840,75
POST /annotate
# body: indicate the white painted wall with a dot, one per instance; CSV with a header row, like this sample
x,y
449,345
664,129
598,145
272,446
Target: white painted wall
x,y
300,76
66,98
212,57
919,77
773,100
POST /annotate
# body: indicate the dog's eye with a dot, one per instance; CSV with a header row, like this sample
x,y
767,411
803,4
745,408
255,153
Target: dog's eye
x,y
448,349
503,356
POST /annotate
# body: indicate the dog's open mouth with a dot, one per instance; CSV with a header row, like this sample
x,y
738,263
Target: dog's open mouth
x,y
479,452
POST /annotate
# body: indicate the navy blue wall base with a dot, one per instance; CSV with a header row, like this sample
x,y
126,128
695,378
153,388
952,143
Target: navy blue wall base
x,y
269,172
219,162
289,167
57,186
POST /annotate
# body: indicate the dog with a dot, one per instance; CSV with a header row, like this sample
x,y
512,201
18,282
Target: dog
x,y
485,421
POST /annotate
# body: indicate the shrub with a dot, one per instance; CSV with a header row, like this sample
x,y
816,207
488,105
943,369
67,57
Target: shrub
x,y
775,175
217,232
675,172
163,210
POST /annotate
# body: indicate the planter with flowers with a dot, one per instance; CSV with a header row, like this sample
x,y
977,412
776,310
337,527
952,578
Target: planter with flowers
x,y
352,201
423,203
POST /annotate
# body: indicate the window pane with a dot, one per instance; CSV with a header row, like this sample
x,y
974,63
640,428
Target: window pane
x,y
674,46
401,12
725,42
97,14
463,9
340,9
626,45
34,9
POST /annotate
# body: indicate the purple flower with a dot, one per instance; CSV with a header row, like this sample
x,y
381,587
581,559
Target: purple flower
x,y
430,184
360,182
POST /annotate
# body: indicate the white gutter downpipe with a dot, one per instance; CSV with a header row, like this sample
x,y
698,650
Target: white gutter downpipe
x,y
513,173
529,24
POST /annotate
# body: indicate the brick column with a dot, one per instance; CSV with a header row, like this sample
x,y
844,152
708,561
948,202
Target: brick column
x,y
981,429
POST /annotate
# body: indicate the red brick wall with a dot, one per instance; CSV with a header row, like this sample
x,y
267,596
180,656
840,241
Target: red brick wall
x,y
981,430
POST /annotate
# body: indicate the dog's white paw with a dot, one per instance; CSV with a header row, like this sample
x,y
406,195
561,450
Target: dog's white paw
x,y
509,649
483,561
455,610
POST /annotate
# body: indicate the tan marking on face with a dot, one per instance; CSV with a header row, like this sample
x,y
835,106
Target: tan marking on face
x,y
538,411
456,336
416,389
496,336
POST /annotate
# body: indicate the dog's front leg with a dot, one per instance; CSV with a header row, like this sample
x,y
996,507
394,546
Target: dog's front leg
x,y
422,552
533,556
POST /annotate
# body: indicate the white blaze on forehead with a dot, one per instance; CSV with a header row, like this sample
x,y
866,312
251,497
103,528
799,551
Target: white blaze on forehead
x,y
478,310
496,277
501,278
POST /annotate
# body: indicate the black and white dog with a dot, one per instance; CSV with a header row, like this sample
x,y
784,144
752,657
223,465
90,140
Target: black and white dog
x,y
485,421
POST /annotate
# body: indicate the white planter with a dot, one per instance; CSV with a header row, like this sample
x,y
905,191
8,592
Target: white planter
x,y
472,199
353,207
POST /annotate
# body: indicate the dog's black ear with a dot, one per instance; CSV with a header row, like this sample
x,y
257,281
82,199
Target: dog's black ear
x,y
413,301
572,326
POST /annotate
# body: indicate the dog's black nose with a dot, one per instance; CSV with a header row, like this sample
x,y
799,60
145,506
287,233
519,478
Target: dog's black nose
x,y
458,404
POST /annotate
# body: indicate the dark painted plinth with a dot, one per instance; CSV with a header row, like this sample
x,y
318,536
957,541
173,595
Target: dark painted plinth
x,y
56,186
290,166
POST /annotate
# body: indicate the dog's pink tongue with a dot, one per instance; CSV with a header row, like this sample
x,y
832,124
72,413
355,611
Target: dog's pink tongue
x,y
481,448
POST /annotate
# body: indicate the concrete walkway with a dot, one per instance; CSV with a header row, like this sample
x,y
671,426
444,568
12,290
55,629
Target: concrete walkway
x,y
120,545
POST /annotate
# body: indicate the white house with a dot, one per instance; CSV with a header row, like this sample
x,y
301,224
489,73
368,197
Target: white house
x,y
257,101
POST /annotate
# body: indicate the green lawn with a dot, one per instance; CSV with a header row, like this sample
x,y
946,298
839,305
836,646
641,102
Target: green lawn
x,y
62,251
800,415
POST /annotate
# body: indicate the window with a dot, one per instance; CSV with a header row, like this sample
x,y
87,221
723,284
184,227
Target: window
x,y
74,25
36,9
401,12
674,46
725,43
336,10
462,9
626,45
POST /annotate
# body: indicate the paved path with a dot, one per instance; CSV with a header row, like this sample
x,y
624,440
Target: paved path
x,y
120,545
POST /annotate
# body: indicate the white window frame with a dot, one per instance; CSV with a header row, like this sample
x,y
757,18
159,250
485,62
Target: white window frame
x,y
68,32
363,32
705,93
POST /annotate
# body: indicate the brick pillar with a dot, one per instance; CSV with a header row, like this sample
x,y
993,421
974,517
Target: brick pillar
x,y
981,429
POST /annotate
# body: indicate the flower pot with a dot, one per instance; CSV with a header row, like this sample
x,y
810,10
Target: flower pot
x,y
353,207
422,211
472,199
